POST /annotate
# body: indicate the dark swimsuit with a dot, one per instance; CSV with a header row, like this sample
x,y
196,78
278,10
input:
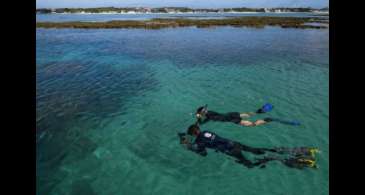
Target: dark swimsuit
x,y
233,117
207,139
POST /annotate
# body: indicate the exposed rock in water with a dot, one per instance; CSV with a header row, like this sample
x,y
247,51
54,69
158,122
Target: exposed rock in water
x,y
158,23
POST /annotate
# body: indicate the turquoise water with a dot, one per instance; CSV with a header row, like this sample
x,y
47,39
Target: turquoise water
x,y
110,102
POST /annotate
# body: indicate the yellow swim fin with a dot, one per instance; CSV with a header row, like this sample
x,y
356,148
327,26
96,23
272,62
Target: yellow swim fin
x,y
313,151
310,163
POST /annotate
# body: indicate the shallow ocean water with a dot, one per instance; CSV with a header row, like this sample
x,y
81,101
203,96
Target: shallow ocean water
x,y
110,103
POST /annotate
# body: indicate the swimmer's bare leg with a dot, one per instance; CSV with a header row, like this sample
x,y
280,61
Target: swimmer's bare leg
x,y
247,114
251,124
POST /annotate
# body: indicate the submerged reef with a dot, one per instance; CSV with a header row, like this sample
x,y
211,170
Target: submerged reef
x,y
158,23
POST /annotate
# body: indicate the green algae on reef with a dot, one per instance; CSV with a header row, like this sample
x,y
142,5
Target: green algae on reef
x,y
158,23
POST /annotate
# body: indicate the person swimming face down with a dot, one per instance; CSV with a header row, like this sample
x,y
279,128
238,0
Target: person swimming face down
x,y
208,139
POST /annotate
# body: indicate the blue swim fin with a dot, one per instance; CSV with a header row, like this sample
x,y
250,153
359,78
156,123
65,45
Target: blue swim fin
x,y
265,108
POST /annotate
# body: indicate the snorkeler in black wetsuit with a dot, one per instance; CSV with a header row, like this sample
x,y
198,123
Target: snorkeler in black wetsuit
x,y
204,115
207,139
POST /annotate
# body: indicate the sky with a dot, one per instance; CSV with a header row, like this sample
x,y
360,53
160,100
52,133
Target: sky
x,y
181,3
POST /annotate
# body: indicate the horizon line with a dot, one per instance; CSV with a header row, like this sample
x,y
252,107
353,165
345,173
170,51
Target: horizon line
x,y
174,7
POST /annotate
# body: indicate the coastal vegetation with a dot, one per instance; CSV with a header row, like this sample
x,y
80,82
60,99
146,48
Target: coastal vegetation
x,y
158,23
171,10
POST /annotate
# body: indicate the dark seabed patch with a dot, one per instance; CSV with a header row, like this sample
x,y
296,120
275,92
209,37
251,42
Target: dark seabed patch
x,y
72,98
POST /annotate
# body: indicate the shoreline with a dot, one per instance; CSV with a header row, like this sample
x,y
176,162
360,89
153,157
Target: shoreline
x,y
158,23
183,13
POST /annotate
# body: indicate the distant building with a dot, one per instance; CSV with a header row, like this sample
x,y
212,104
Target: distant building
x,y
147,10
278,10
170,10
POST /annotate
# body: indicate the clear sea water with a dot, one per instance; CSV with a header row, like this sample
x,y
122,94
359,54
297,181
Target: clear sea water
x,y
110,102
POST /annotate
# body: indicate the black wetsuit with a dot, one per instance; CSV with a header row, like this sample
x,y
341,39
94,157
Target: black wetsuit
x,y
207,139
227,117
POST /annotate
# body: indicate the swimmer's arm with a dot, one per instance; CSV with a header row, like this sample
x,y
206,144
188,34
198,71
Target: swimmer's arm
x,y
195,147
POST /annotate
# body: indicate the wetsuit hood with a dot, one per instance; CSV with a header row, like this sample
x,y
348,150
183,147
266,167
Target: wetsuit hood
x,y
202,110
